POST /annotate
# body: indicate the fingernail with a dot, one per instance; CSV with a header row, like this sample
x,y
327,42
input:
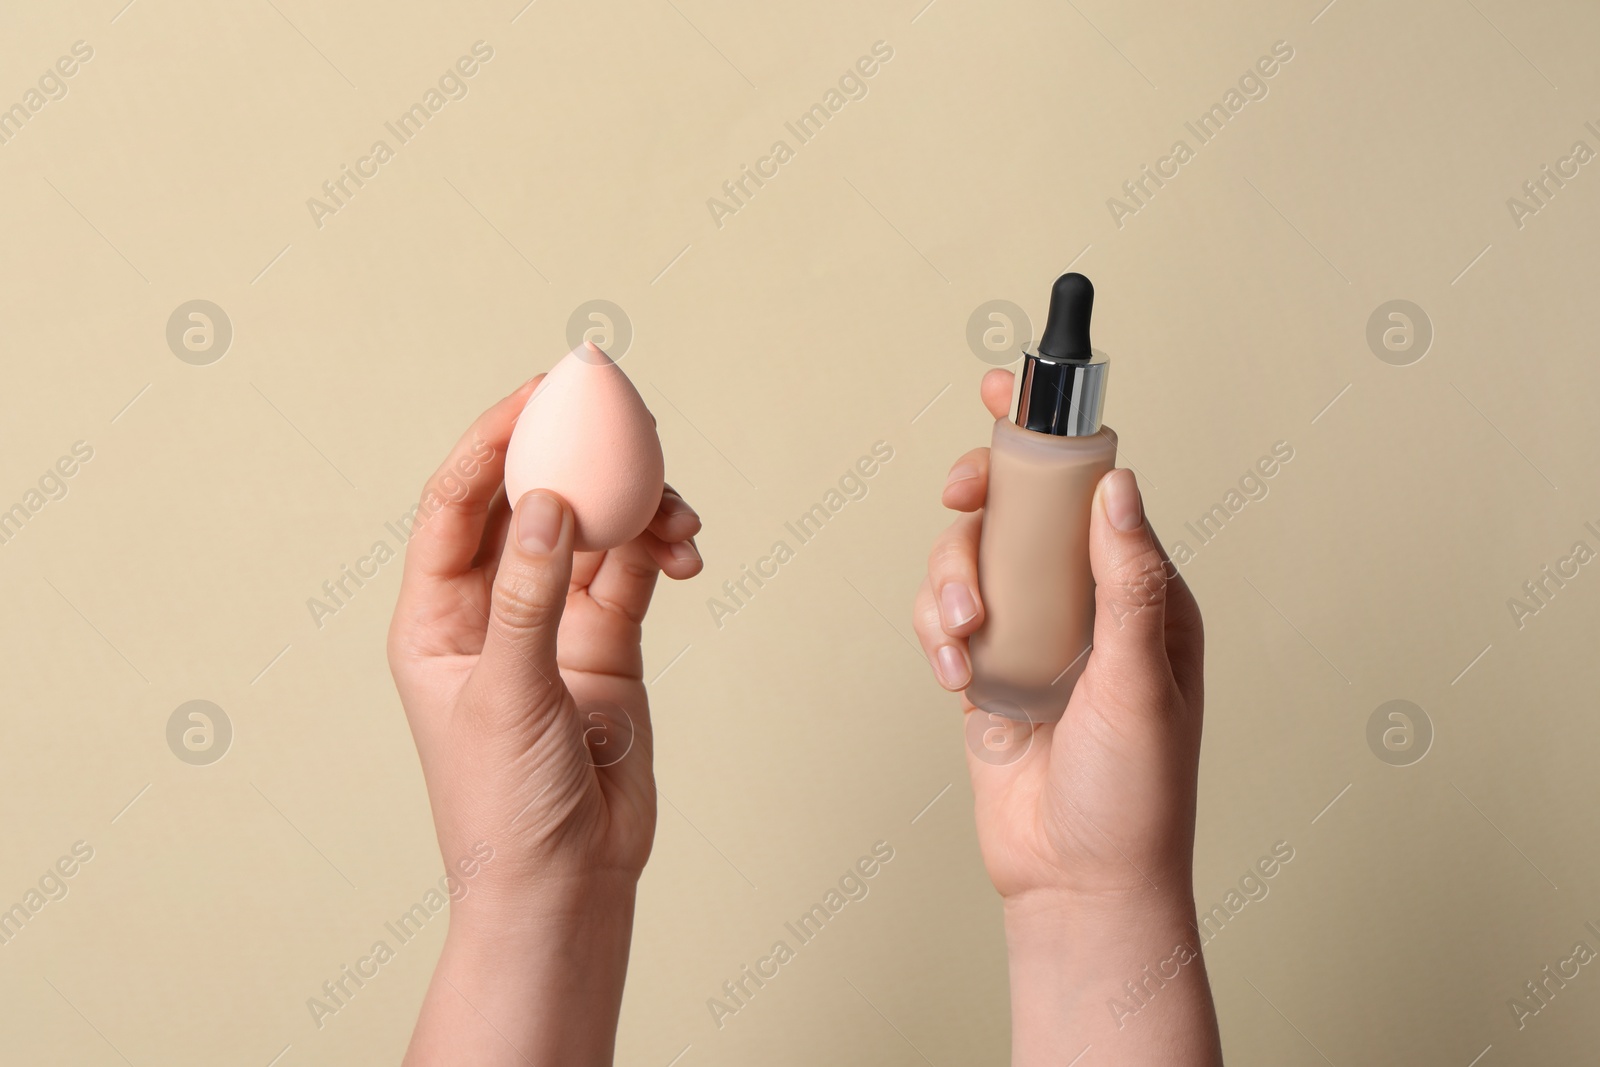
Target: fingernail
x,y
957,607
1123,505
961,472
684,550
951,663
538,523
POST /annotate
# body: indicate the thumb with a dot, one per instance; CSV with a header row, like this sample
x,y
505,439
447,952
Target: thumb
x,y
1131,574
516,676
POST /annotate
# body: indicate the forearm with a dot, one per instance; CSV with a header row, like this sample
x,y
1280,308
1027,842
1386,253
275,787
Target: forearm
x,y
1126,979
541,987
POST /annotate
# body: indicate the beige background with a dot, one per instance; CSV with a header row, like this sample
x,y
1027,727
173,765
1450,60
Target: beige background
x,y
827,314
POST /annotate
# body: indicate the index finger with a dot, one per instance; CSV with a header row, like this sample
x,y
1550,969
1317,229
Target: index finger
x,y
454,506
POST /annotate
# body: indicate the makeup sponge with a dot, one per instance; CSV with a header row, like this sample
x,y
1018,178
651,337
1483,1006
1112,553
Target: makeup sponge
x,y
586,435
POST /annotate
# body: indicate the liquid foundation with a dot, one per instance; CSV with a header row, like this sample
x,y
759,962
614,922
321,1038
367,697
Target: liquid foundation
x,y
1033,557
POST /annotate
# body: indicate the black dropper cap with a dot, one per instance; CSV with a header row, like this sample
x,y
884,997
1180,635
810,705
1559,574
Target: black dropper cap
x,y
1063,380
1066,331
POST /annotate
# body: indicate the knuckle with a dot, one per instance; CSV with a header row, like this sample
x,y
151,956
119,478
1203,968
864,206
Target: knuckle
x,y
400,647
522,600
451,483
954,550
393,650
948,554
1140,582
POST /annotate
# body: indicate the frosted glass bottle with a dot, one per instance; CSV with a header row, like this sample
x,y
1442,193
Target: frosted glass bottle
x,y
1033,570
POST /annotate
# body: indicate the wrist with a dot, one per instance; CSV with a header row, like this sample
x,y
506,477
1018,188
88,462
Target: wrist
x,y
531,977
501,919
1122,910
1057,940
1123,973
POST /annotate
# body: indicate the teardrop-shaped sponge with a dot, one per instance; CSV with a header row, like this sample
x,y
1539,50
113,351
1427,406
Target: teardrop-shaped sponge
x,y
586,434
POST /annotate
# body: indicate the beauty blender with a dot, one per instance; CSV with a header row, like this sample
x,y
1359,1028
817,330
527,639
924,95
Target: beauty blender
x,y
586,435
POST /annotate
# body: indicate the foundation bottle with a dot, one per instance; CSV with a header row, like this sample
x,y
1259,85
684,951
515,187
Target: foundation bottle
x,y
1033,557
